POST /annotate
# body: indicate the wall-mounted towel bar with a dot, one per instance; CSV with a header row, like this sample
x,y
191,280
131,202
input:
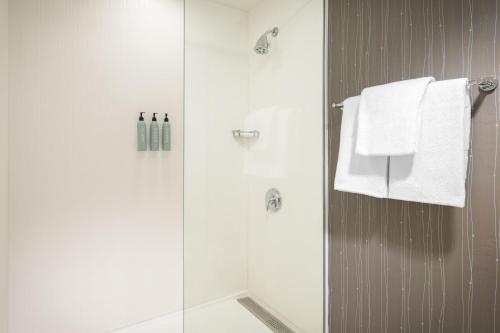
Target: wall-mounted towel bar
x,y
485,84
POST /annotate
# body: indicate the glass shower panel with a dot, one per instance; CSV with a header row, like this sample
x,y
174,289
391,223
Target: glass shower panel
x,y
253,228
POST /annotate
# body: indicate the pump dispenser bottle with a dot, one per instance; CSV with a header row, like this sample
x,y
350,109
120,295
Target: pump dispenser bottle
x,y
165,142
154,132
142,141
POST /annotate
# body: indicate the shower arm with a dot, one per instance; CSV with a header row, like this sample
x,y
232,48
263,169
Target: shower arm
x,y
273,32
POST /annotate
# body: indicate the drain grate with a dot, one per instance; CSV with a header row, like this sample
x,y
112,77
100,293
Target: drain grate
x,y
268,319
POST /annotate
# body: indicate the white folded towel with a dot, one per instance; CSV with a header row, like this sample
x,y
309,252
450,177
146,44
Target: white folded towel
x,y
389,118
356,173
436,174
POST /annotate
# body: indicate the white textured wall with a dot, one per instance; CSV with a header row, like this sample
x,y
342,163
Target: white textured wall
x,y
96,227
285,249
215,191
4,126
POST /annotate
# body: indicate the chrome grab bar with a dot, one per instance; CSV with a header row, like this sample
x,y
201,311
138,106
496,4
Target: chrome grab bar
x,y
246,134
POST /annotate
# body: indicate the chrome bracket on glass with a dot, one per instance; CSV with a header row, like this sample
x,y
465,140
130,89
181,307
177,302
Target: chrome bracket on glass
x,y
246,134
273,200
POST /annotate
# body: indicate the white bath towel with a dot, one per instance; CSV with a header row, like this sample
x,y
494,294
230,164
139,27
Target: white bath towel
x,y
389,118
356,173
436,174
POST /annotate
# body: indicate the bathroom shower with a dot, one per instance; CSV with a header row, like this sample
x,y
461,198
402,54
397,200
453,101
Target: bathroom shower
x,y
249,166
263,44
253,196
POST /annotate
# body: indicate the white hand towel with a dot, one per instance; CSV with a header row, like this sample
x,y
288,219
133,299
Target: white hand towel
x,y
389,118
436,174
356,173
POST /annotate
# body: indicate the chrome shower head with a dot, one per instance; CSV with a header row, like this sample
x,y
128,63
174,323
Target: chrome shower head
x,y
262,46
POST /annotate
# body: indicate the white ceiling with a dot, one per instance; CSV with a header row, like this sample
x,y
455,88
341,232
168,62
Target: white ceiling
x,y
240,4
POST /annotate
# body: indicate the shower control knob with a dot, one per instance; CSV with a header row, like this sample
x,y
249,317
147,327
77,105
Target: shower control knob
x,y
273,200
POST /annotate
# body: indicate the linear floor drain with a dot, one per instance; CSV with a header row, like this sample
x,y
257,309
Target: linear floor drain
x,y
268,319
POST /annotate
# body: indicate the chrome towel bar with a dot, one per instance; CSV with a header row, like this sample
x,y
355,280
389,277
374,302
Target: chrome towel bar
x,y
485,85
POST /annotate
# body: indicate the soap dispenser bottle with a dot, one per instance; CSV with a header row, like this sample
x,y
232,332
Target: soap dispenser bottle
x,y
142,141
165,142
154,132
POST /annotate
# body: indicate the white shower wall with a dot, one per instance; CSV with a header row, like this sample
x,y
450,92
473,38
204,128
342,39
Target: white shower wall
x,y
286,249
95,226
215,226
3,162
232,244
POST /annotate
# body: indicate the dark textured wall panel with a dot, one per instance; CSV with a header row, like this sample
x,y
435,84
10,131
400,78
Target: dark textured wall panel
x,y
407,267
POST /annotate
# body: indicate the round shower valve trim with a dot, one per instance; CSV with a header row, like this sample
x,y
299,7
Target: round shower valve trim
x,y
274,200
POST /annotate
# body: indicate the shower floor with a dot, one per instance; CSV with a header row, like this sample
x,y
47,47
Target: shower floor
x,y
226,316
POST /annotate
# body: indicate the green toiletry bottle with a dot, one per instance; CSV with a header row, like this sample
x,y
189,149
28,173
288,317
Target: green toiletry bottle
x,y
154,131
165,142
142,141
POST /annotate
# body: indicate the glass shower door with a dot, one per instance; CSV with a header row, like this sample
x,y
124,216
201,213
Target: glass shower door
x,y
253,216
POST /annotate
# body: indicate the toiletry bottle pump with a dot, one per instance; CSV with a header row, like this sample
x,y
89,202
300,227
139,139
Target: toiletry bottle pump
x,y
142,140
166,134
154,132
